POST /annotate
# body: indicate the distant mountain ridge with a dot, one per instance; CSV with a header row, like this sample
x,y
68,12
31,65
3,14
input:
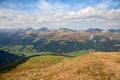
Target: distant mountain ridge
x,y
59,40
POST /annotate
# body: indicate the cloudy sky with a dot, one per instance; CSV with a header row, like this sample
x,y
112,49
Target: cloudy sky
x,y
74,14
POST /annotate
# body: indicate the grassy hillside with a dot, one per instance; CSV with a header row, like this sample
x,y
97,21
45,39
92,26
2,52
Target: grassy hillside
x,y
93,66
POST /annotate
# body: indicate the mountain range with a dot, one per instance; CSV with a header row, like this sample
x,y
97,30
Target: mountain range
x,y
61,40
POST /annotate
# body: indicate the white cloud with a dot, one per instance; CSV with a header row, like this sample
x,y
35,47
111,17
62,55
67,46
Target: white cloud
x,y
56,15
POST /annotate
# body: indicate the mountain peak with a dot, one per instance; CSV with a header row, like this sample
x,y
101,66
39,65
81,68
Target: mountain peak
x,y
43,29
94,30
67,29
29,29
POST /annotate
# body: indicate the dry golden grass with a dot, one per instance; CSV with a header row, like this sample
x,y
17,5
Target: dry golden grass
x,y
94,66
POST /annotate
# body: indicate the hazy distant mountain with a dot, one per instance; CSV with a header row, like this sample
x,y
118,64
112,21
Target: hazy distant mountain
x,y
94,30
60,40
113,30
29,29
66,29
43,29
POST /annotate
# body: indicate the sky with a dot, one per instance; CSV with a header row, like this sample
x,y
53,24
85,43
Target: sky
x,y
73,14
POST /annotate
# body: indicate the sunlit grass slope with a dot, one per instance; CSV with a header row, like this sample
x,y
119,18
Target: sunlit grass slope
x,y
93,66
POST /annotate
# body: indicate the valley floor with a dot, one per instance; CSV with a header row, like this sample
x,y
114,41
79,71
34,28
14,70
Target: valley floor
x,y
93,66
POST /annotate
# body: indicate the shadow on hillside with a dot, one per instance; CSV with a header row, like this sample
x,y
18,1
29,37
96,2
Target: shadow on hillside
x,y
9,61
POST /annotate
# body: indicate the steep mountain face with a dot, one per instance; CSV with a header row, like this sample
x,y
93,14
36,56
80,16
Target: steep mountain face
x,y
61,40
